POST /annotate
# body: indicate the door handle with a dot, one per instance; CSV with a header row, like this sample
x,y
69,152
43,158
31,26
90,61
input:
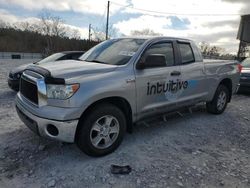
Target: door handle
x,y
175,73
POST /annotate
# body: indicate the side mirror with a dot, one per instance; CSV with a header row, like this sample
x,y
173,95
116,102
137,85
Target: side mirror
x,y
140,65
153,60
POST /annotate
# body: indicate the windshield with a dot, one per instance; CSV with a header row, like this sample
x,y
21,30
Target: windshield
x,y
246,63
51,58
113,52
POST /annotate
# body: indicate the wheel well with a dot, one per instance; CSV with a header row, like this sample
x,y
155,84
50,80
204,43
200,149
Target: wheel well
x,y
228,83
117,101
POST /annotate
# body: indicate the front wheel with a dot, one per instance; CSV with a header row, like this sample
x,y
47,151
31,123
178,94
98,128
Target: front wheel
x,y
102,130
220,100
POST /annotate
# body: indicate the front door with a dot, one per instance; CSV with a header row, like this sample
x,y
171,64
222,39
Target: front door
x,y
158,85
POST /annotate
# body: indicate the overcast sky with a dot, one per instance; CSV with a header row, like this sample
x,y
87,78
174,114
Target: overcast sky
x,y
213,21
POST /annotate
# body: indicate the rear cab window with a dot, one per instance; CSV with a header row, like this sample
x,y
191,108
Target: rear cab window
x,y
186,52
197,53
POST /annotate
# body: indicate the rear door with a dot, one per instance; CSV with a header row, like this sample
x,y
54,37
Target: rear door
x,y
193,73
155,85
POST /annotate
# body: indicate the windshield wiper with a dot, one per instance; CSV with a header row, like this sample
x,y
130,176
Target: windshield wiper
x,y
96,61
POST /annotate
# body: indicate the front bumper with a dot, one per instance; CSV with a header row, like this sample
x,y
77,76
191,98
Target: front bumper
x,y
65,129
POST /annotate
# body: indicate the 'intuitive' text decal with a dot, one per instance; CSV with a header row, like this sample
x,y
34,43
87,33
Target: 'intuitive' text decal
x,y
170,86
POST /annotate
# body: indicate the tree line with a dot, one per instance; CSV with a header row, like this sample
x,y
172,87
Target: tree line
x,y
48,35
214,52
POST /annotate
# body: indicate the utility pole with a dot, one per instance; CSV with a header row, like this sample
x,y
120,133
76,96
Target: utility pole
x,y
89,32
107,23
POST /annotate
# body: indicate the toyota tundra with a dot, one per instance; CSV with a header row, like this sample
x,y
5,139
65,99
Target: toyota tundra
x,y
93,102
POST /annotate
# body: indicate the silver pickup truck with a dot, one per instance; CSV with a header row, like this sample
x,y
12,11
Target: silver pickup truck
x,y
93,102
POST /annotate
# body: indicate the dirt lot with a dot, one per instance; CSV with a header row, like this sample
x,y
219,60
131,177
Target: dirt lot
x,y
193,150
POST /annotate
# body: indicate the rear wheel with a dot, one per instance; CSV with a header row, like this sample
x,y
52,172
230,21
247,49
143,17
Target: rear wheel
x,y
102,130
220,100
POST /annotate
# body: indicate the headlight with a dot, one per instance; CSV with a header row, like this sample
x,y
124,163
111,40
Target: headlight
x,y
18,75
61,91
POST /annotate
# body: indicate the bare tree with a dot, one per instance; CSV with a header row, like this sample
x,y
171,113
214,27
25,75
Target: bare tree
x,y
73,33
112,31
52,25
98,35
216,52
207,49
204,46
23,26
3,24
57,27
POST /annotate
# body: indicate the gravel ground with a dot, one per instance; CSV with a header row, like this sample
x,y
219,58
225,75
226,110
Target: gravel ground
x,y
193,150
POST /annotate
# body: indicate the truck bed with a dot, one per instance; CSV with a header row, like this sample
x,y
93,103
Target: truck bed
x,y
208,61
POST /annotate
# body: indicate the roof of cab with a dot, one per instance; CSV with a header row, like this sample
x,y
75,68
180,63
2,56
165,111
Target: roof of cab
x,y
156,37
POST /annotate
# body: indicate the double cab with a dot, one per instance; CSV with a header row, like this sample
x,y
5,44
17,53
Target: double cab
x,y
94,101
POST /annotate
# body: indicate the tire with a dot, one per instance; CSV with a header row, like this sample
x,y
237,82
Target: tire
x,y
220,100
102,130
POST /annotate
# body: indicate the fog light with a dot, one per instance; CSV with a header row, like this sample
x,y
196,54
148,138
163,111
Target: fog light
x,y
52,130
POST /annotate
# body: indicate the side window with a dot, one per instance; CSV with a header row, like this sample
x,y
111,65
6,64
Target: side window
x,y
187,55
64,57
68,56
163,49
76,56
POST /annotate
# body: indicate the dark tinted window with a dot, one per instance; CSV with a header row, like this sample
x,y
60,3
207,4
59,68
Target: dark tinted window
x,y
165,49
187,55
68,56
76,56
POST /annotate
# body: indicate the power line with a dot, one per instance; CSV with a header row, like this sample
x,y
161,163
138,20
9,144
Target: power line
x,y
102,24
171,13
99,25
102,18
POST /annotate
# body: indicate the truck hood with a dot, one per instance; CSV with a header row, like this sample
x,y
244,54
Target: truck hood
x,y
72,68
